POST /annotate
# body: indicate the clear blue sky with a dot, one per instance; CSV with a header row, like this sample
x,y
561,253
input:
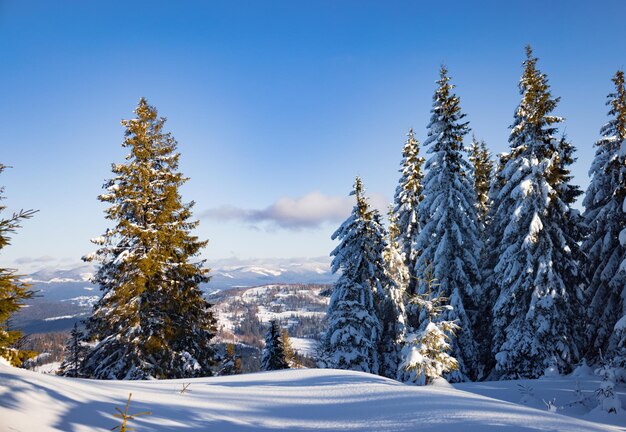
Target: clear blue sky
x,y
276,105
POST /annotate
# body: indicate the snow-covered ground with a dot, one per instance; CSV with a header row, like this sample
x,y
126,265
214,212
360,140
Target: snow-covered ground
x,y
304,346
293,400
286,303
48,368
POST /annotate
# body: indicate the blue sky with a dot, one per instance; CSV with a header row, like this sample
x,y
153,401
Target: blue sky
x,y
276,105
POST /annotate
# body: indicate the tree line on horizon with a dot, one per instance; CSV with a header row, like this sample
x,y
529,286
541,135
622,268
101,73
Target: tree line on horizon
x,y
484,272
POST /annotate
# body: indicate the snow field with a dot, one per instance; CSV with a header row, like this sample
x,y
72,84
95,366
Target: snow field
x,y
291,400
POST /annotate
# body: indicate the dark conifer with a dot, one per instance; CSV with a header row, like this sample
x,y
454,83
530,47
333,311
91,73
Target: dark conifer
x,y
274,352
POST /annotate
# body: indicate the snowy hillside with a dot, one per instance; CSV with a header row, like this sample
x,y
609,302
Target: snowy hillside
x,y
66,296
294,400
243,314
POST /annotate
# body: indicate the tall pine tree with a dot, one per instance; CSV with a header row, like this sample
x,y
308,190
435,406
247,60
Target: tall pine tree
x,y
409,193
482,171
353,335
605,219
152,320
538,311
490,255
13,292
450,238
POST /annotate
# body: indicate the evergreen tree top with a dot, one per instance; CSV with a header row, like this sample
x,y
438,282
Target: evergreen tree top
x,y
362,237
533,124
361,200
393,231
617,102
445,131
411,170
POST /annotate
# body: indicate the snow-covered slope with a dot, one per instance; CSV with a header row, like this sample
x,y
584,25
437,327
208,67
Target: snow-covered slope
x,y
242,314
294,400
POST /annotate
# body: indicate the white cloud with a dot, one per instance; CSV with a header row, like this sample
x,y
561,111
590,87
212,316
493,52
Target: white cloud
x,y
309,211
34,260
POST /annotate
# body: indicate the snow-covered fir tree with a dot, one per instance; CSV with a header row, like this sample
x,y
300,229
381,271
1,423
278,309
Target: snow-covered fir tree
x,y
74,354
406,201
152,320
273,357
352,338
537,315
486,298
392,311
450,237
13,292
482,169
426,352
605,219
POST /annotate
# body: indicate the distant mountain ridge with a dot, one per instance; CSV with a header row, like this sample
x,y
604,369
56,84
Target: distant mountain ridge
x,y
66,295
225,273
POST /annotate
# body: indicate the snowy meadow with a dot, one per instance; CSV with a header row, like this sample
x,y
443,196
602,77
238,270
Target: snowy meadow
x,y
490,297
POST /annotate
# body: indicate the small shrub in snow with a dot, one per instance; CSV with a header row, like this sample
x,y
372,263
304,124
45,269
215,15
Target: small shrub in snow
x,y
426,352
579,398
527,392
608,401
125,416
551,405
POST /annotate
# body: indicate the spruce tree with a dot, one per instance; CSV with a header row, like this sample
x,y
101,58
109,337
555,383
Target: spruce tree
x,y
152,320
273,357
392,311
450,236
352,338
13,292
75,351
605,219
482,169
538,311
409,193
493,229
